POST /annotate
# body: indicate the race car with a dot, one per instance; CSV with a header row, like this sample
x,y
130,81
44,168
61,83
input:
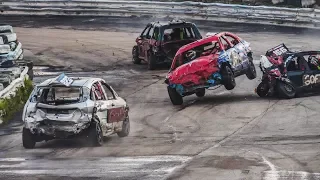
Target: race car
x,y
214,60
65,107
159,42
287,73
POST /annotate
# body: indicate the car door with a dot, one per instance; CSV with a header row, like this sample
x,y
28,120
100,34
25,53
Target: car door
x,y
234,57
296,69
116,109
311,78
144,43
97,94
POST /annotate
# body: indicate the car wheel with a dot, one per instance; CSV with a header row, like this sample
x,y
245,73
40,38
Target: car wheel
x,y
201,92
28,139
125,128
135,55
262,89
95,134
152,61
251,71
285,90
175,97
228,78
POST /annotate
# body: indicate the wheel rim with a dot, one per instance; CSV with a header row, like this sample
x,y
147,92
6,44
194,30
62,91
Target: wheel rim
x,y
99,134
288,88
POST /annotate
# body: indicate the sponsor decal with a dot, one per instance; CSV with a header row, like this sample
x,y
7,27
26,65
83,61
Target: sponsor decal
x,y
311,79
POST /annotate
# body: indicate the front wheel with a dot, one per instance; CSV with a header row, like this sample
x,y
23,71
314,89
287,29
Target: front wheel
x,y
125,128
95,134
228,78
201,92
251,71
28,139
262,89
285,90
175,97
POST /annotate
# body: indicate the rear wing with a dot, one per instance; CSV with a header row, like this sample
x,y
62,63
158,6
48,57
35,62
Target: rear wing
x,y
278,50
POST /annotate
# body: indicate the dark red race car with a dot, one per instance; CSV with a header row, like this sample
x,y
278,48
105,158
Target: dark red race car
x,y
159,41
208,62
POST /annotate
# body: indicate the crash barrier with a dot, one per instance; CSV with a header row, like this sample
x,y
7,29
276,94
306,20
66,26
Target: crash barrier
x,y
14,96
11,89
303,17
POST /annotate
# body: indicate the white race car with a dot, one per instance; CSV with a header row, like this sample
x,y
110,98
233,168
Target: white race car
x,y
66,107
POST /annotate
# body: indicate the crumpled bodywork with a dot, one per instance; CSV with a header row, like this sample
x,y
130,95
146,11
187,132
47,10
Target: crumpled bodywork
x,y
59,121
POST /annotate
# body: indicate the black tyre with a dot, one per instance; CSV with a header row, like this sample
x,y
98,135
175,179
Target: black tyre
x,y
228,78
251,71
28,139
262,89
135,55
152,61
125,128
30,74
95,135
201,92
175,97
285,90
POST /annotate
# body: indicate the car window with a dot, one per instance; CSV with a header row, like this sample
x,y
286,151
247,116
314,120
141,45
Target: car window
x,y
108,91
150,34
298,63
225,43
97,92
231,39
189,32
155,34
145,31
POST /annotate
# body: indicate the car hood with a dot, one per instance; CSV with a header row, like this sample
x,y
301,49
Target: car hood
x,y
194,71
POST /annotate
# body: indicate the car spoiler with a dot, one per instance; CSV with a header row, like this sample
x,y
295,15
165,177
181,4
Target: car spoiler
x,y
278,50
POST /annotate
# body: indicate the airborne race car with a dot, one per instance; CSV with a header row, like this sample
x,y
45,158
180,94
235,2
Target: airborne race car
x,y
159,42
63,107
287,73
208,62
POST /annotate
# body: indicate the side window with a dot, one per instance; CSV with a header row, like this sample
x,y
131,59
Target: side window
x,y
156,34
108,91
150,33
232,40
97,92
145,31
224,43
189,32
293,65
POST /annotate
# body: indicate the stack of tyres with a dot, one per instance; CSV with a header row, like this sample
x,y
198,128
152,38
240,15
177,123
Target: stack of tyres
x,y
11,57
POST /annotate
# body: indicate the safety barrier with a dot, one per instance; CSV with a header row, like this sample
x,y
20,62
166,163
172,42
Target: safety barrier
x,y
303,17
11,89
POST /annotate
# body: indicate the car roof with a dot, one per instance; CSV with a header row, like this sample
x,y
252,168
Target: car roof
x,y
167,23
77,81
205,40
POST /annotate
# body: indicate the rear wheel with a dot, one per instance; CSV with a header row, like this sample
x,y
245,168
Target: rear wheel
x,y
95,134
251,71
125,128
262,89
201,92
28,139
152,61
175,97
285,90
135,55
228,78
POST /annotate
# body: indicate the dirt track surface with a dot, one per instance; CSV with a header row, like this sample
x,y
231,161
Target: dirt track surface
x,y
227,135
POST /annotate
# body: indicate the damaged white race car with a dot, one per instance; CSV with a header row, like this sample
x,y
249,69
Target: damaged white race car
x,y
64,107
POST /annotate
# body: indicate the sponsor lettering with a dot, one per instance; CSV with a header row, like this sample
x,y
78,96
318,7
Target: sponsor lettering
x,y
311,79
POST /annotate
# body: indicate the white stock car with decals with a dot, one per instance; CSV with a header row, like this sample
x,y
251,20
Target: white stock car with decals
x,y
84,107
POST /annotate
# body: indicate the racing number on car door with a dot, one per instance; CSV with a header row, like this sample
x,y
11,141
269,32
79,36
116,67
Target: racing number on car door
x,y
116,111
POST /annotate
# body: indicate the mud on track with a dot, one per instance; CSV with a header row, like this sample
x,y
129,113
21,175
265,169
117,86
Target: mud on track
x,y
226,134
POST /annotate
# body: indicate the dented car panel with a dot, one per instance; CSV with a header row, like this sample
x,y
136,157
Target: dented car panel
x,y
64,113
201,64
